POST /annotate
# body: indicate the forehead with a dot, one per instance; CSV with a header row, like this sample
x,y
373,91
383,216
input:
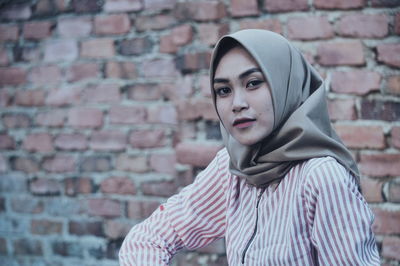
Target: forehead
x,y
235,61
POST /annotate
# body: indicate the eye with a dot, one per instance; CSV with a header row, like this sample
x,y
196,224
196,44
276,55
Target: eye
x,y
253,84
223,91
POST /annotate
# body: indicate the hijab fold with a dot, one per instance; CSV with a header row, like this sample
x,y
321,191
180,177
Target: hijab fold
x,y
302,129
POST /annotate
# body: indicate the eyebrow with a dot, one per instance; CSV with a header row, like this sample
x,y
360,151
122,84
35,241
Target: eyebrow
x,y
241,76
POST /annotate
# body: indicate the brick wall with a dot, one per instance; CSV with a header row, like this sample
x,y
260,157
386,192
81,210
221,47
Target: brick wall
x,y
105,112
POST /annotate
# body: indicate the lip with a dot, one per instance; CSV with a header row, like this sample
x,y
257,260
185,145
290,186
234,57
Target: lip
x,y
243,122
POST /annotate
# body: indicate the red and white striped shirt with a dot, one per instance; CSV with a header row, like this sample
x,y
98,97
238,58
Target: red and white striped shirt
x,y
315,216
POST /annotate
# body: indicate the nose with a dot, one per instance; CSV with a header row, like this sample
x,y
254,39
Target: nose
x,y
239,101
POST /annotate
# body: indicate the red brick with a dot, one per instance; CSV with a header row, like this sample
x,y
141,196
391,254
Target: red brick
x,y
118,185
46,227
112,24
74,27
123,5
210,33
162,189
384,3
75,186
4,57
154,22
135,46
285,5
82,117
244,8
98,48
5,98
63,96
31,53
3,164
391,247
38,142
6,142
380,110
389,54
179,36
15,120
196,108
341,53
60,50
181,89
386,221
196,153
102,93
37,30
59,163
159,68
44,7
163,114
163,163
28,247
8,32
339,4
362,136
395,137
359,82
12,76
27,204
397,24
30,97
127,115
123,70
159,4
45,186
147,138
394,192
132,163
371,189
54,118
107,208
16,12
116,229
363,25
309,28
110,140
393,85
26,165
380,164
144,92
45,75
68,248
83,6
83,71
71,141
81,228
141,209
201,10
193,61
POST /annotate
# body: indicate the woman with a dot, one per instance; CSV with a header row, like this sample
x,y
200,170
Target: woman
x,y
284,190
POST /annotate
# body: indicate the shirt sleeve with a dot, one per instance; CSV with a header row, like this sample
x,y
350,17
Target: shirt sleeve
x,y
193,218
340,217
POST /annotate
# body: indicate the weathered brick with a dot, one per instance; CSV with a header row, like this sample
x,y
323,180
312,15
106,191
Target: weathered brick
x,y
285,5
193,61
182,88
393,85
102,93
3,164
60,50
138,209
67,248
159,4
386,221
5,98
244,8
104,207
112,24
372,189
210,33
59,163
75,186
394,192
163,163
391,247
12,76
83,6
37,30
355,136
179,36
196,108
154,22
118,185
363,25
3,246
144,92
98,48
339,4
123,5
30,52
82,117
74,27
163,114
16,12
127,114
16,120
389,54
28,246
8,32
159,68
196,153
144,139
63,96
309,28
395,137
163,188
25,164
110,140
27,204
70,141
4,57
81,228
64,207
201,10
83,71
135,46
380,110
132,163
341,53
116,229
13,183
46,227
384,3
380,164
38,142
122,70
45,75
7,142
45,186
397,24
359,82
30,97
95,164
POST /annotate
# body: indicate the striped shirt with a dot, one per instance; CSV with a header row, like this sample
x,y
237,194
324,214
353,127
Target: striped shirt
x,y
315,216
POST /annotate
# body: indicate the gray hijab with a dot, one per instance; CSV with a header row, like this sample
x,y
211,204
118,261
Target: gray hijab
x,y
302,128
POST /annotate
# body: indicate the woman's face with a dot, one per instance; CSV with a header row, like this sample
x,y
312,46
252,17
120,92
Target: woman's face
x,y
243,97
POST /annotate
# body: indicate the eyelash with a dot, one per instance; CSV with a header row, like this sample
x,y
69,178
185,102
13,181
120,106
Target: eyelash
x,y
252,84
